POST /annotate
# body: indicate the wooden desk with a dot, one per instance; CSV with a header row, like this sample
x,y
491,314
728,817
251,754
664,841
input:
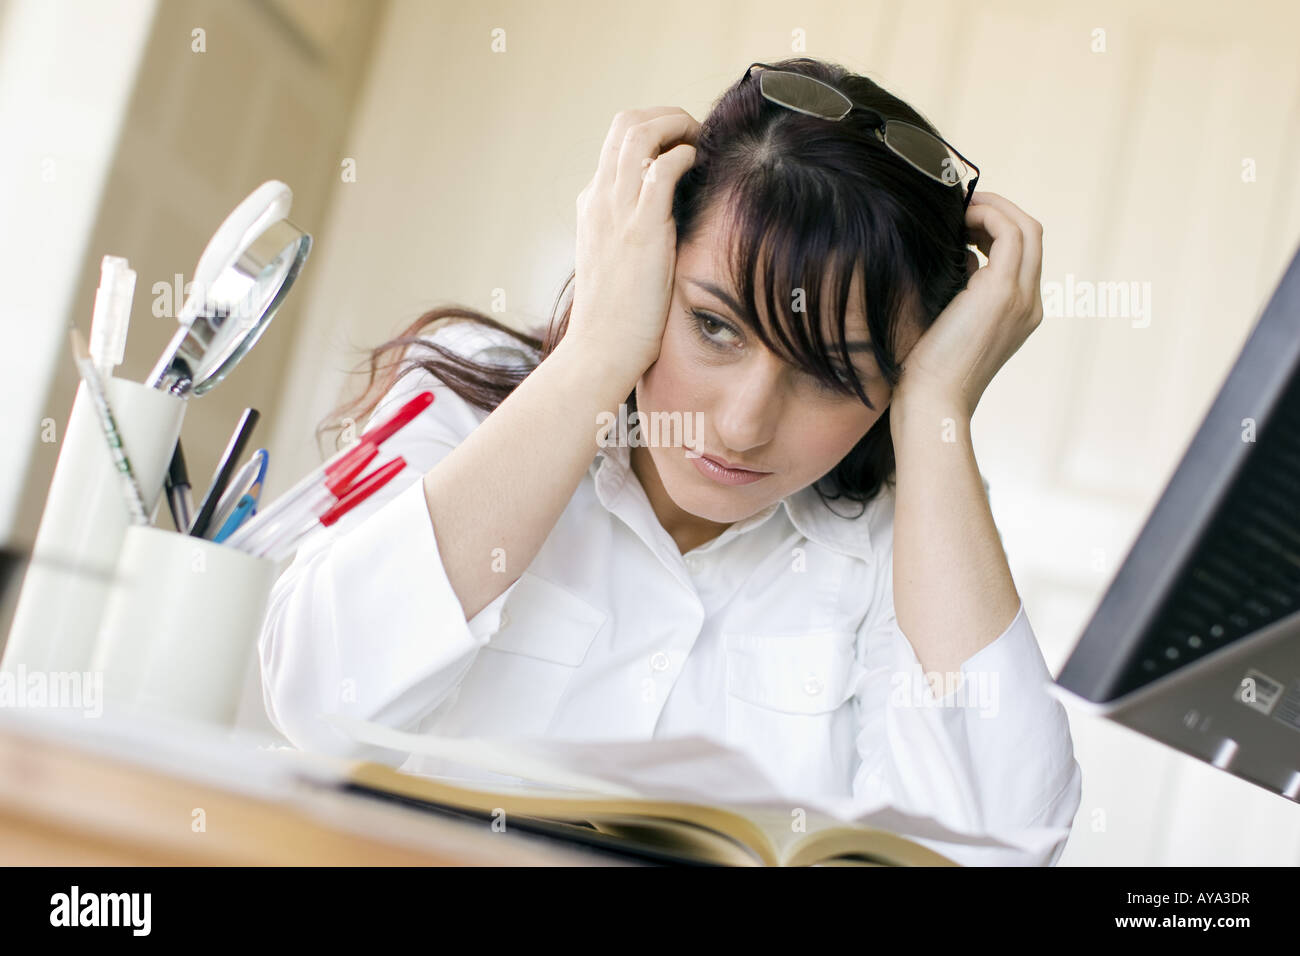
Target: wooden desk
x,y
64,804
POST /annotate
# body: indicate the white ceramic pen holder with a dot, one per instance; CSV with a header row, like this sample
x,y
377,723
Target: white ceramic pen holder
x,y
83,524
180,625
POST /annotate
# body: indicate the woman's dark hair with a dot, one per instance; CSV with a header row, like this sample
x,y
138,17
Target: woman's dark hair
x,y
803,197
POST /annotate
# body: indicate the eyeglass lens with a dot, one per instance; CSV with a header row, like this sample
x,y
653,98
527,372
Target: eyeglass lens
x,y
924,152
803,94
920,149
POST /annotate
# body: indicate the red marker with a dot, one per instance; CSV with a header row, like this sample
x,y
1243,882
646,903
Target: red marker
x,y
358,493
381,433
336,475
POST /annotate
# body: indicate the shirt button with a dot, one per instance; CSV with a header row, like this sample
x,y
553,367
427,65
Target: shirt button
x,y
812,686
692,562
505,619
659,661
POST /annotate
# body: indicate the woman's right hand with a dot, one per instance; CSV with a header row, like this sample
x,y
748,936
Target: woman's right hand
x,y
627,239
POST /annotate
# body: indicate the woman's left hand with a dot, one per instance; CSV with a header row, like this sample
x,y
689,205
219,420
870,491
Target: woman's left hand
x,y
986,323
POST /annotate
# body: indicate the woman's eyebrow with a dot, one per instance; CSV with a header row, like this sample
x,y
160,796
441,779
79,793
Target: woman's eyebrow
x,y
734,306
722,294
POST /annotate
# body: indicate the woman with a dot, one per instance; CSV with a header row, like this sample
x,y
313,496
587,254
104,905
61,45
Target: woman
x,y
794,279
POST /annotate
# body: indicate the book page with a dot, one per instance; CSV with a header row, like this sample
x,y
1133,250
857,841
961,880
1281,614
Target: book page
x,y
695,769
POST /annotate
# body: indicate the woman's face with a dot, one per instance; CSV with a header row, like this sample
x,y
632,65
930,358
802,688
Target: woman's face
x,y
757,412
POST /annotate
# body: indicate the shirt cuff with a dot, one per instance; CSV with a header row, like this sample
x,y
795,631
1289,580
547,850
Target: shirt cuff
x,y
404,650
997,737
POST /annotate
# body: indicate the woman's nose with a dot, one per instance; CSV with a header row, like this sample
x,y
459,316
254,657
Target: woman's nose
x,y
750,409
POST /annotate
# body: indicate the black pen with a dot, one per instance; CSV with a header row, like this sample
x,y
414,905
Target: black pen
x,y
178,491
225,471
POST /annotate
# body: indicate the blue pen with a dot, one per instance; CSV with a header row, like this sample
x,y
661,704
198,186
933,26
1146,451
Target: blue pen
x,y
247,505
246,481
256,490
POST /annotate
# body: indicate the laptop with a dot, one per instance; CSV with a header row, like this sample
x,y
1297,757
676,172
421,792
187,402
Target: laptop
x,y
1196,642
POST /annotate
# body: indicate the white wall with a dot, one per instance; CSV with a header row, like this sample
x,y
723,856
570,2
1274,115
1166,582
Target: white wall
x,y
156,136
469,162
67,70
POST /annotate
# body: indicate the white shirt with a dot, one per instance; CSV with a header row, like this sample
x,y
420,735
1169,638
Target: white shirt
x,y
777,638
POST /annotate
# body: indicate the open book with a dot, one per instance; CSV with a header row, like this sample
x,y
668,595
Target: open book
x,y
686,799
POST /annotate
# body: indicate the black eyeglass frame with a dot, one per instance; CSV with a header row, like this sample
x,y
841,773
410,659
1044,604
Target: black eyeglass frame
x,y
882,124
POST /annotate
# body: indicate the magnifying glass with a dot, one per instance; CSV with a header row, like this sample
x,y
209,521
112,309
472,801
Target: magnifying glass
x,y
240,282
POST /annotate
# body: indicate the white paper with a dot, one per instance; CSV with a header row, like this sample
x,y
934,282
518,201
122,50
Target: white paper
x,y
692,769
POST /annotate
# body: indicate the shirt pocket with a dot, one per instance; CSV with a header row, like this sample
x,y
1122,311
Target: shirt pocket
x,y
546,622
795,673
519,677
788,705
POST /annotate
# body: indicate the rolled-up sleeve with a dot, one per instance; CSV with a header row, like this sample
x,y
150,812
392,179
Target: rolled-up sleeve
x,y
992,754
364,622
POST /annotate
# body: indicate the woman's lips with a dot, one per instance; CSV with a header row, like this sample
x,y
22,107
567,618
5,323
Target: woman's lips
x,y
723,475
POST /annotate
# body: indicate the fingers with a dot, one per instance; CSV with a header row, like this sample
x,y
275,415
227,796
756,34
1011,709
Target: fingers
x,y
642,143
611,151
660,182
1030,273
999,239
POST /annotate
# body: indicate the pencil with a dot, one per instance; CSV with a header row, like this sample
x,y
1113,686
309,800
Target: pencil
x,y
99,398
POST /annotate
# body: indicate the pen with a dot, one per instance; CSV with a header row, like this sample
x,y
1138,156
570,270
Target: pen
x,y
178,491
225,468
374,437
272,523
241,511
247,481
95,388
399,420
363,489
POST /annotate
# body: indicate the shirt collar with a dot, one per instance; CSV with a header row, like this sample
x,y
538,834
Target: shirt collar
x,y
612,469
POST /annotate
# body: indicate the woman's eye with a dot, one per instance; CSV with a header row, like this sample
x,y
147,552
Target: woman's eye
x,y
710,328
712,332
